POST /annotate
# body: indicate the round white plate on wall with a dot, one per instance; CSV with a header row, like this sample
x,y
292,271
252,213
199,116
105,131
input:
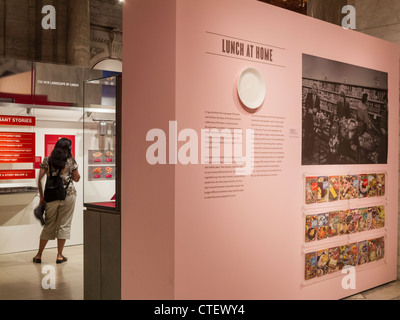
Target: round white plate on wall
x,y
251,88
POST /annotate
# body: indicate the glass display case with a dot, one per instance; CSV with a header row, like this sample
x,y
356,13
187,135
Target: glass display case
x,y
101,143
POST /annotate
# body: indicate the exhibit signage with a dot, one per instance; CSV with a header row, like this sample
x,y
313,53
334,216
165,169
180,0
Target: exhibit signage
x,y
50,141
45,83
322,194
17,174
61,84
17,147
38,161
17,121
231,46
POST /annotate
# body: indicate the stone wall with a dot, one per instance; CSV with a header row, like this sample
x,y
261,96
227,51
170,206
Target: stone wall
x,y
87,31
106,31
329,11
2,26
17,34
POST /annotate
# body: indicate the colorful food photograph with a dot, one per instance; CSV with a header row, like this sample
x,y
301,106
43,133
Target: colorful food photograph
x,y
369,223
323,221
348,187
372,253
372,185
363,186
322,262
97,154
109,169
323,189
380,248
311,190
310,265
334,257
362,252
311,228
343,214
334,224
380,188
342,252
374,216
334,188
353,221
350,257
380,218
97,170
362,225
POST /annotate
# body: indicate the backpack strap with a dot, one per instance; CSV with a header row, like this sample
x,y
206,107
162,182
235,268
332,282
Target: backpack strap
x,y
68,183
59,172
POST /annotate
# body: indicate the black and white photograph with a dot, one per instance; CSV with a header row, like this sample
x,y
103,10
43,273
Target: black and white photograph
x,y
344,113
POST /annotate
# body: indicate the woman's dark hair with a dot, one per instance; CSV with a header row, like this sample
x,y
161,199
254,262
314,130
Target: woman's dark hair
x,y
364,98
60,154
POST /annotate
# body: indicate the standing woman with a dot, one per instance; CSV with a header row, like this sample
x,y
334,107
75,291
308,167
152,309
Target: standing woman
x,y
312,106
58,214
362,114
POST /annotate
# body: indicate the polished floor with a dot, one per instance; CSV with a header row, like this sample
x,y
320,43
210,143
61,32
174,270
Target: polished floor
x,y
390,291
21,279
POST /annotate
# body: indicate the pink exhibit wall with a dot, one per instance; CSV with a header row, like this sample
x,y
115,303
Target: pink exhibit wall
x,y
148,195
186,234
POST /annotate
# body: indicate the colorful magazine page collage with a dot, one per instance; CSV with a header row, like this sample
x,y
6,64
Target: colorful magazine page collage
x,y
328,261
342,222
343,187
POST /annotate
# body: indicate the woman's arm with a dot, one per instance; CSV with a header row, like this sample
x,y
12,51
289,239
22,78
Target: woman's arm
x,y
76,176
41,175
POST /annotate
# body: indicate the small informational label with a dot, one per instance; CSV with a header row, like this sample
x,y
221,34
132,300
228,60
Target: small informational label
x,y
38,161
17,174
294,133
17,147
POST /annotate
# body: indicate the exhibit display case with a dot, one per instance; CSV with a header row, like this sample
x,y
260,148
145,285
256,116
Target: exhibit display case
x,y
101,188
101,143
39,104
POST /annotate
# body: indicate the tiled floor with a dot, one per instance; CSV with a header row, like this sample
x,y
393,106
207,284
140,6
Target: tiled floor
x,y
21,279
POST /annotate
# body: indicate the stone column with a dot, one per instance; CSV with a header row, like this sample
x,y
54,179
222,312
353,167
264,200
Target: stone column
x,y
329,11
78,44
16,44
2,22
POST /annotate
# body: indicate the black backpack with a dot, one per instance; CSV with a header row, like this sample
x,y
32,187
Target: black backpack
x,y
54,189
